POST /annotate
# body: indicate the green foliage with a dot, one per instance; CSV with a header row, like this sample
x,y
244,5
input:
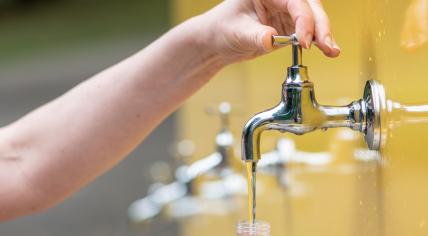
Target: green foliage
x,y
34,26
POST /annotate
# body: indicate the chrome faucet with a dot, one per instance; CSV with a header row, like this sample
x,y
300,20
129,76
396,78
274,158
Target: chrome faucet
x,y
299,112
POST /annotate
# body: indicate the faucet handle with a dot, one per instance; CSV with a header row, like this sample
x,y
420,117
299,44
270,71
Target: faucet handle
x,y
284,40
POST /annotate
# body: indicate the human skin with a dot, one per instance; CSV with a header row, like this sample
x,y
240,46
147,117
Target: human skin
x,y
62,146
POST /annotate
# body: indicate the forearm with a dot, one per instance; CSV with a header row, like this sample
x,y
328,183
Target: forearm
x,y
65,144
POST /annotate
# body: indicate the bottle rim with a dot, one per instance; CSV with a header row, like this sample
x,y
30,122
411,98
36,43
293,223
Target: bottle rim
x,y
259,227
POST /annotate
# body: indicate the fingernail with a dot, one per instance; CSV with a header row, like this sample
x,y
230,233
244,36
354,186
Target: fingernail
x,y
308,41
335,46
329,42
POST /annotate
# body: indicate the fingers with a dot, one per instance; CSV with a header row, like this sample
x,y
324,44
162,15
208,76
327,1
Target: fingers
x,y
323,38
303,18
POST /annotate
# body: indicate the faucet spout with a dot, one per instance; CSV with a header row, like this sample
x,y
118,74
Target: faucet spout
x,y
252,133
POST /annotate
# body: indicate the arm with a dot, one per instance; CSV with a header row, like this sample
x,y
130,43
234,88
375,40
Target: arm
x,y
60,147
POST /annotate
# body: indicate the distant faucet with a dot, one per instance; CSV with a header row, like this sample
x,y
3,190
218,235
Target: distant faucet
x,y
216,163
299,112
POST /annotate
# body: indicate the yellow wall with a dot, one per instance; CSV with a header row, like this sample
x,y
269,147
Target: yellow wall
x,y
402,68
348,196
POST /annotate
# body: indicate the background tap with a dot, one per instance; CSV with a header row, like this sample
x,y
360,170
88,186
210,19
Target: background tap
x,y
215,164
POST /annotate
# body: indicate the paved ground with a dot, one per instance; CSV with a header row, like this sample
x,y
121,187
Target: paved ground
x,y
100,208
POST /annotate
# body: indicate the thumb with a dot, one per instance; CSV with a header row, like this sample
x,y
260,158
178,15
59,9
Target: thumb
x,y
259,37
265,37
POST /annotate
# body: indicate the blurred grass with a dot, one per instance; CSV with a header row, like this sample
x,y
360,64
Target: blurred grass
x,y
71,24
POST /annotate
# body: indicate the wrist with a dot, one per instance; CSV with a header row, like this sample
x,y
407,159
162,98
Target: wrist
x,y
205,38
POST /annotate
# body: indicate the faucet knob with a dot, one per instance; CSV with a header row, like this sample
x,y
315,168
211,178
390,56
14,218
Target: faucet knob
x,y
281,40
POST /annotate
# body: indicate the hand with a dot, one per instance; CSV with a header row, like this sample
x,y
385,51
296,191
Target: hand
x,y
243,29
414,33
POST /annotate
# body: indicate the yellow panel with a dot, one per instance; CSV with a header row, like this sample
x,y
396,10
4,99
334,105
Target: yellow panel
x,y
399,33
347,196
